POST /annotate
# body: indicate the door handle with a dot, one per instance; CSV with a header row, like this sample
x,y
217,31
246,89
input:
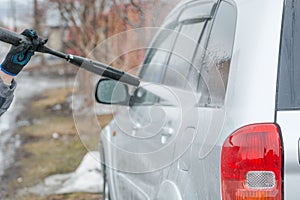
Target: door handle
x,y
166,132
135,128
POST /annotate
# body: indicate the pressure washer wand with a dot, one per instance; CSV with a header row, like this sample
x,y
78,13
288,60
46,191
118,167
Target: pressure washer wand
x,y
94,67
89,65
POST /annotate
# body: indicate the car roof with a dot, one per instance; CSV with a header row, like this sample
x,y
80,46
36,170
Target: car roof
x,y
192,1
182,6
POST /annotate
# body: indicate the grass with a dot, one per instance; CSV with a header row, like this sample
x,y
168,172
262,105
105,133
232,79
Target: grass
x,y
51,98
47,125
40,154
77,196
50,157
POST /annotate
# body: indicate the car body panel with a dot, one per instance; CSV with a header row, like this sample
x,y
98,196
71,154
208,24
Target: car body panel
x,y
138,161
169,190
251,91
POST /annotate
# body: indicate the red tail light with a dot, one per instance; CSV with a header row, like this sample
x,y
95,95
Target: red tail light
x,y
251,164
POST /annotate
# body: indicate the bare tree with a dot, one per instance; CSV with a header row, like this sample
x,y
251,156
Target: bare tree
x,y
87,19
155,9
122,10
137,14
83,18
38,19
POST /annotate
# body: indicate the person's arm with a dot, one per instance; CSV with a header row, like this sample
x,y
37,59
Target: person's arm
x,y
7,79
7,87
15,60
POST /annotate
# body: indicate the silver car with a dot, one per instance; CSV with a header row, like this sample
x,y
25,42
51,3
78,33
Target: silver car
x,y
217,113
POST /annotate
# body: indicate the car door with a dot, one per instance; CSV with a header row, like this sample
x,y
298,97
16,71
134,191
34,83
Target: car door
x,y
144,144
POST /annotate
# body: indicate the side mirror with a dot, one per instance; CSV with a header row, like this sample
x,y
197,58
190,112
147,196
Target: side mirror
x,y
112,92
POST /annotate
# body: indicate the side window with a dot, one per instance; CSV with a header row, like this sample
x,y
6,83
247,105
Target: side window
x,y
156,59
216,62
181,59
193,76
155,64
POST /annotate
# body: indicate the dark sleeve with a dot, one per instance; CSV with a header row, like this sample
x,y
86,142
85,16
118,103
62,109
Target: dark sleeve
x,y
6,95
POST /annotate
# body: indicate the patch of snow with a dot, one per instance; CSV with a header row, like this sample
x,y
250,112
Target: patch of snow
x,y
55,136
57,107
86,178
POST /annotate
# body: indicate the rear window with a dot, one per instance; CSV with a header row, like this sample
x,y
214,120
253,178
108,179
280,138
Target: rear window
x,y
289,63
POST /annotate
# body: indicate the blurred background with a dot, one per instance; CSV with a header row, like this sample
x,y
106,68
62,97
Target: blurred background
x,y
42,155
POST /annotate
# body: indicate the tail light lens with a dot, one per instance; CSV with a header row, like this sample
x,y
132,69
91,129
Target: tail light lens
x,y
251,164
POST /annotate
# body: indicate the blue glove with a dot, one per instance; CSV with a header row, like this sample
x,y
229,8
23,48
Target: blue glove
x,y
19,56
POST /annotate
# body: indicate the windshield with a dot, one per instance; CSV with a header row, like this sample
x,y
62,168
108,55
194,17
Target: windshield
x,y
289,63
